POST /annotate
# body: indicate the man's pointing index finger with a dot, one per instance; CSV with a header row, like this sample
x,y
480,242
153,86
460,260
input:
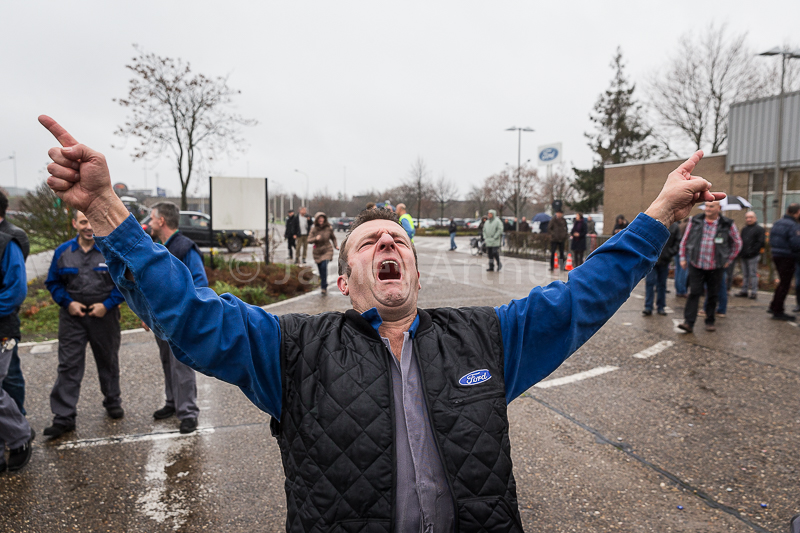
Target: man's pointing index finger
x,y
58,132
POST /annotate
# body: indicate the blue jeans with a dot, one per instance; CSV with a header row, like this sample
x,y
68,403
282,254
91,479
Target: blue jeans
x,y
722,306
681,275
656,280
453,241
14,383
323,274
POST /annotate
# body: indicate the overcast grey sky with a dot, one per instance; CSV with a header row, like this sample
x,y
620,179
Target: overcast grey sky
x,y
364,85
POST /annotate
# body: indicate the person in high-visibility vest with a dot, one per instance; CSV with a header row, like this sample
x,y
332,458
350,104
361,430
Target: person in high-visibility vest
x,y
406,221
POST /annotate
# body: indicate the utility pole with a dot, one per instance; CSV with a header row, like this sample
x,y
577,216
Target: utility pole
x,y
519,167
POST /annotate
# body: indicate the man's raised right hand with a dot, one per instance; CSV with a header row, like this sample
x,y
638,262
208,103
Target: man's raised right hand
x,y
80,177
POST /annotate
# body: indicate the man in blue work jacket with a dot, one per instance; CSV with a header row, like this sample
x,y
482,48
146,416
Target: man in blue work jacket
x,y
180,381
15,432
388,417
14,382
80,283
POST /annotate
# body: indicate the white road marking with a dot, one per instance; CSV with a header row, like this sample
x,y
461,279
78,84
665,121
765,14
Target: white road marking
x,y
164,502
125,439
42,348
653,350
639,296
576,377
129,331
24,344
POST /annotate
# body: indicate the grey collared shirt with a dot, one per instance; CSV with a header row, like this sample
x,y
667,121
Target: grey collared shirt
x,y
423,501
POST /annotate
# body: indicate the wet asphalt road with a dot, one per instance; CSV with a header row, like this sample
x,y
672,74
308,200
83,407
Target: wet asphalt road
x,y
709,422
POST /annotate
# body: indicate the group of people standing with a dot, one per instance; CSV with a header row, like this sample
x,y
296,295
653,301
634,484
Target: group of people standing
x,y
559,233
705,248
80,284
301,230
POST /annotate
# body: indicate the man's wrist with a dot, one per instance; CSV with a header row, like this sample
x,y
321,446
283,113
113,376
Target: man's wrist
x,y
106,213
661,212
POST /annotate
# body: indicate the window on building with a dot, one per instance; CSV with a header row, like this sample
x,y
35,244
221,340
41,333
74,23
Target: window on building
x,y
791,188
762,195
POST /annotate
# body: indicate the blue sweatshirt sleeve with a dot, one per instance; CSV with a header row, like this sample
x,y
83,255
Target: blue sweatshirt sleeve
x,y
54,283
15,286
194,263
551,323
220,336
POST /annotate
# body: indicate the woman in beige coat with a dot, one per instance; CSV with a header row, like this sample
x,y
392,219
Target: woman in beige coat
x,y
324,241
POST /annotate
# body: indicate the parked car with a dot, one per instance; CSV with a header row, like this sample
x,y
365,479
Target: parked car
x,y
343,224
473,223
195,224
425,223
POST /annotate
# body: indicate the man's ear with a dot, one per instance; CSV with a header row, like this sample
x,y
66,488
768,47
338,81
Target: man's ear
x,y
341,282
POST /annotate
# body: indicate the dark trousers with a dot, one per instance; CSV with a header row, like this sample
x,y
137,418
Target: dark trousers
x,y
323,274
180,383
698,278
291,245
577,258
14,384
785,268
494,254
560,246
103,336
656,282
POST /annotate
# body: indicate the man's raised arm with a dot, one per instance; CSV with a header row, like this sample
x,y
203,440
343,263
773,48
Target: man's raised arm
x,y
541,330
218,335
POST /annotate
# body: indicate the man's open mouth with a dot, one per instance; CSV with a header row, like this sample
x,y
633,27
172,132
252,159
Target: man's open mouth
x,y
389,270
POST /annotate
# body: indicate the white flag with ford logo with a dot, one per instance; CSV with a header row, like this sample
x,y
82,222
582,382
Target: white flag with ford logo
x,y
549,154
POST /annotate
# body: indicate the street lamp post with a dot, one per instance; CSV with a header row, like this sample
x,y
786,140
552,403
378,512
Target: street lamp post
x,y
519,165
786,55
305,200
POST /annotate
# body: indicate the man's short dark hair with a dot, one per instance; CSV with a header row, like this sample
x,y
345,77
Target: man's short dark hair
x,y
368,215
3,204
793,209
170,212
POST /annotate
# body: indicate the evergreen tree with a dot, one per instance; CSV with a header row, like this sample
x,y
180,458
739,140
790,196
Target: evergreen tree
x,y
621,134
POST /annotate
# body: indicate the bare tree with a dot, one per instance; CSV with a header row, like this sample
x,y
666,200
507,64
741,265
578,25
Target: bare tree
x,y
444,192
49,221
418,187
557,186
502,188
173,109
479,196
710,71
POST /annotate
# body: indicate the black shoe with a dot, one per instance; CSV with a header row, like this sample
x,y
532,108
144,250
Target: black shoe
x,y
164,412
688,328
19,457
741,294
115,412
56,430
2,463
188,425
647,312
753,296
784,317
499,268
770,311
662,312
489,270
796,309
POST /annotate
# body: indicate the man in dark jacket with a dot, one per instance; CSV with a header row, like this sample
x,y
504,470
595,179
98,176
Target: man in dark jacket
x,y
291,231
301,230
656,280
708,247
180,380
753,240
558,234
14,382
784,239
388,417
452,228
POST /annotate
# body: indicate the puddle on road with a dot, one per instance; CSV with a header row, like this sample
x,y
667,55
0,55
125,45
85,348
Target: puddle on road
x,y
163,501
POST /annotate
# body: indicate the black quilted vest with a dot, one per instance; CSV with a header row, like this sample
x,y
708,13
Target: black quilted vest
x,y
179,245
9,324
336,432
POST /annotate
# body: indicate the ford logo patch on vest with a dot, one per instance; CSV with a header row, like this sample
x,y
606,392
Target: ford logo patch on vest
x,y
475,377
